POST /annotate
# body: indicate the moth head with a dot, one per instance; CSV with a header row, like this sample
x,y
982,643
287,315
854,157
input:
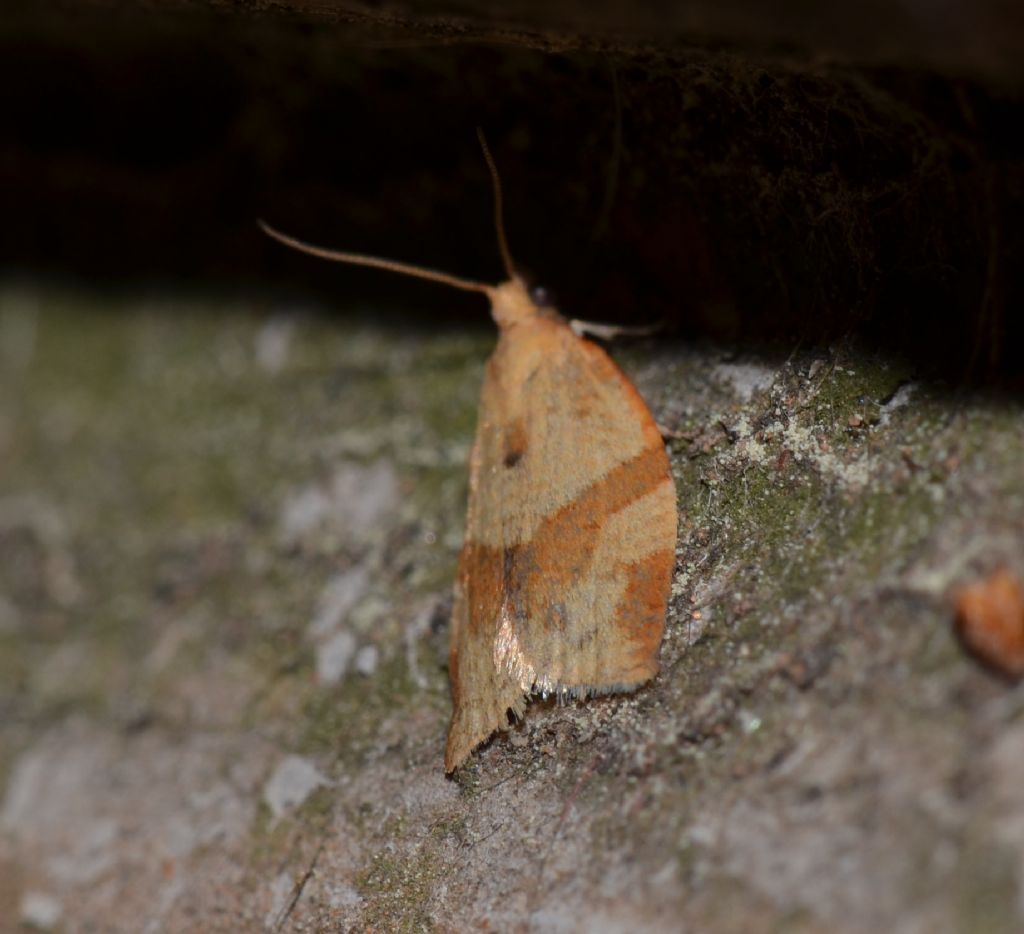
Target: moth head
x,y
513,301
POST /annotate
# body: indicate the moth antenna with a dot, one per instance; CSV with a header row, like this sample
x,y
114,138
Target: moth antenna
x,y
499,220
376,262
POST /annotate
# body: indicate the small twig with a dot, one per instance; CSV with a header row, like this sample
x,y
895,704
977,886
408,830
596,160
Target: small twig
x,y
285,913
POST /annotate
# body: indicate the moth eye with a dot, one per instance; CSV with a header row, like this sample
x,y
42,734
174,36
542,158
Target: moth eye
x,y
541,296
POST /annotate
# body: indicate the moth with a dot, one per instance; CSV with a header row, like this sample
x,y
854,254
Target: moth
x,y
565,572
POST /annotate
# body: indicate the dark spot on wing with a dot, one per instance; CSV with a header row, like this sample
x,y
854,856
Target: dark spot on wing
x,y
515,442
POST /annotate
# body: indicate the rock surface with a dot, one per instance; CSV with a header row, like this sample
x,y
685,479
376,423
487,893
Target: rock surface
x,y
817,753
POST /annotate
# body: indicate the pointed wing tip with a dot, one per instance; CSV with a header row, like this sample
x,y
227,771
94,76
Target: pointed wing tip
x,y
462,740
459,748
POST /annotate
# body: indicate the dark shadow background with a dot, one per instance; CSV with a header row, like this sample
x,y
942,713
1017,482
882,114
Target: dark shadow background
x,y
746,171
